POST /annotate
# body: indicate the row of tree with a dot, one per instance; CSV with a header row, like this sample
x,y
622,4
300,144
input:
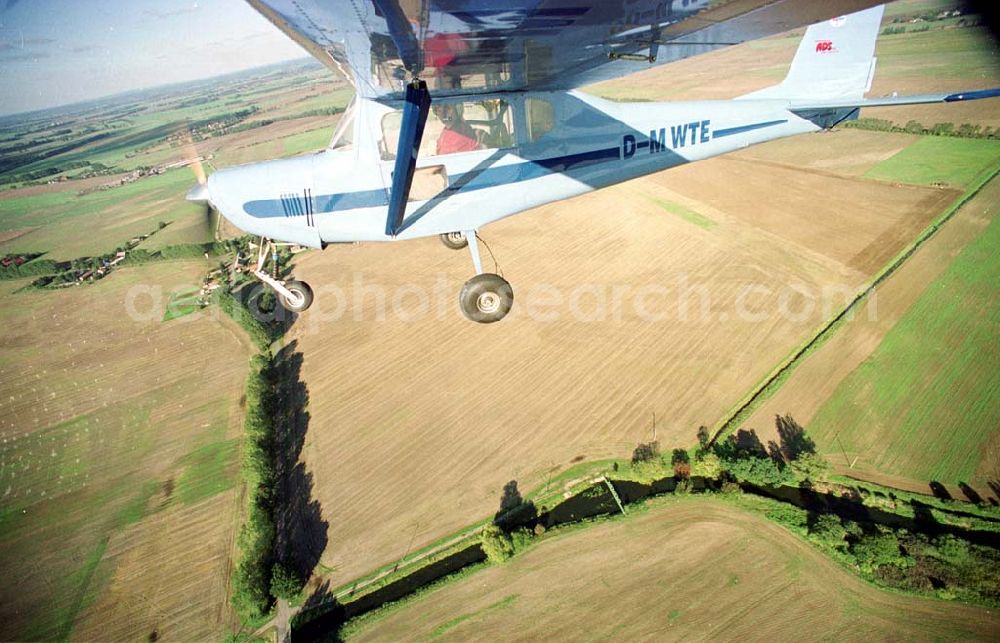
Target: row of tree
x,y
965,130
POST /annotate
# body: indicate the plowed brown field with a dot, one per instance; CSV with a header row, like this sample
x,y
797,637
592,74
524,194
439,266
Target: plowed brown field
x,y
417,425
695,570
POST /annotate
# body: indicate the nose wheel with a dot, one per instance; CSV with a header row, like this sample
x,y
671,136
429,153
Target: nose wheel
x,y
487,297
295,296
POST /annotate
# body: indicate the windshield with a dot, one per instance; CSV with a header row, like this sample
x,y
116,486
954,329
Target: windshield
x,y
453,128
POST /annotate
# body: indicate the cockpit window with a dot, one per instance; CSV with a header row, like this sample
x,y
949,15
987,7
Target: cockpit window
x,y
453,128
541,118
343,136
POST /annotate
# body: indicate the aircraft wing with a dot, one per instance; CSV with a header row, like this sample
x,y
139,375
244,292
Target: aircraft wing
x,y
461,47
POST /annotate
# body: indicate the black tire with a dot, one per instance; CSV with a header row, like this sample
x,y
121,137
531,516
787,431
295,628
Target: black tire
x,y
303,293
486,298
454,240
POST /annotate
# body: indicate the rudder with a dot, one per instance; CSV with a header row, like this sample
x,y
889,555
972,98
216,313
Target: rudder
x,y
835,60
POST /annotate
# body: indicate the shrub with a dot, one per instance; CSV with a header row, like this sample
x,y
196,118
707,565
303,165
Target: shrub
x,y
812,467
645,452
703,439
728,486
252,579
707,466
521,538
828,530
496,544
285,583
875,550
758,470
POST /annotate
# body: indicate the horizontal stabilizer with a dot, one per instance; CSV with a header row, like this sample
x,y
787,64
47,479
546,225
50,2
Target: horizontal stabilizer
x,y
829,113
889,101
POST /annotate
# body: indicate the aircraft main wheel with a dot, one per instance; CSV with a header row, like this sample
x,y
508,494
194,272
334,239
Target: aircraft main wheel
x,y
454,240
303,296
486,298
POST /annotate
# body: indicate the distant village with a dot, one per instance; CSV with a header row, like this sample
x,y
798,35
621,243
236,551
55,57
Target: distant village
x,y
62,274
134,175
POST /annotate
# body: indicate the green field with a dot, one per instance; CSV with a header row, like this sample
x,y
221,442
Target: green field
x,y
928,399
936,160
310,141
67,225
120,449
96,442
939,53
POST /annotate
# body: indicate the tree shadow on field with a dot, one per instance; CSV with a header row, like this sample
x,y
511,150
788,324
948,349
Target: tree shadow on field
x,y
970,493
939,490
301,530
320,618
794,442
745,443
994,486
514,510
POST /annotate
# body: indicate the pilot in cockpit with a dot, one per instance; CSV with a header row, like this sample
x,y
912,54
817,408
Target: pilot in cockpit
x,y
458,135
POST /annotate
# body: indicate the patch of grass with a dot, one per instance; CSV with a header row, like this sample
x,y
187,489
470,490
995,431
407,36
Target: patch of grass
x,y
209,470
684,213
303,142
135,510
440,630
936,160
182,302
82,578
938,369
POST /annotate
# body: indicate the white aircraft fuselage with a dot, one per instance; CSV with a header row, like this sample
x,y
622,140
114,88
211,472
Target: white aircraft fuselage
x,y
342,194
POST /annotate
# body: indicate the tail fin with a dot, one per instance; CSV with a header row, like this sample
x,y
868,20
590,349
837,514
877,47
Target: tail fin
x,y
835,60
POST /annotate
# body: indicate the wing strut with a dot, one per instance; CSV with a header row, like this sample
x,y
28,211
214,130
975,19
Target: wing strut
x,y
411,133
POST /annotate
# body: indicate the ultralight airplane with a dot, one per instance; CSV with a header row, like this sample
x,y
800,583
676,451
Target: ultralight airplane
x,y
467,111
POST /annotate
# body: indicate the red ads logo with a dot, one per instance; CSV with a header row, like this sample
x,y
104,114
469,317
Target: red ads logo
x,y
824,46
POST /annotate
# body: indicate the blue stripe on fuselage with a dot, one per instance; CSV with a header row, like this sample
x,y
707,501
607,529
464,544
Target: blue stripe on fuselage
x,y
730,131
488,178
478,180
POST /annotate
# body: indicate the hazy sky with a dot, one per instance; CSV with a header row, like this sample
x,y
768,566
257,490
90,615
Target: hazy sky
x,y
54,52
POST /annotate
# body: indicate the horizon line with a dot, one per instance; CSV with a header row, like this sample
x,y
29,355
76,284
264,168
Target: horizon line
x,y
105,97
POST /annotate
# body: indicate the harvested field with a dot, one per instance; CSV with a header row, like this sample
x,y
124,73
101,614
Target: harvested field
x,y
857,224
696,569
117,465
847,152
913,392
472,408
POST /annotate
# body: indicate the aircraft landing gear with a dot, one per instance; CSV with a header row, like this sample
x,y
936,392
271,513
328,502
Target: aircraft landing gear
x,y
454,240
295,296
486,298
